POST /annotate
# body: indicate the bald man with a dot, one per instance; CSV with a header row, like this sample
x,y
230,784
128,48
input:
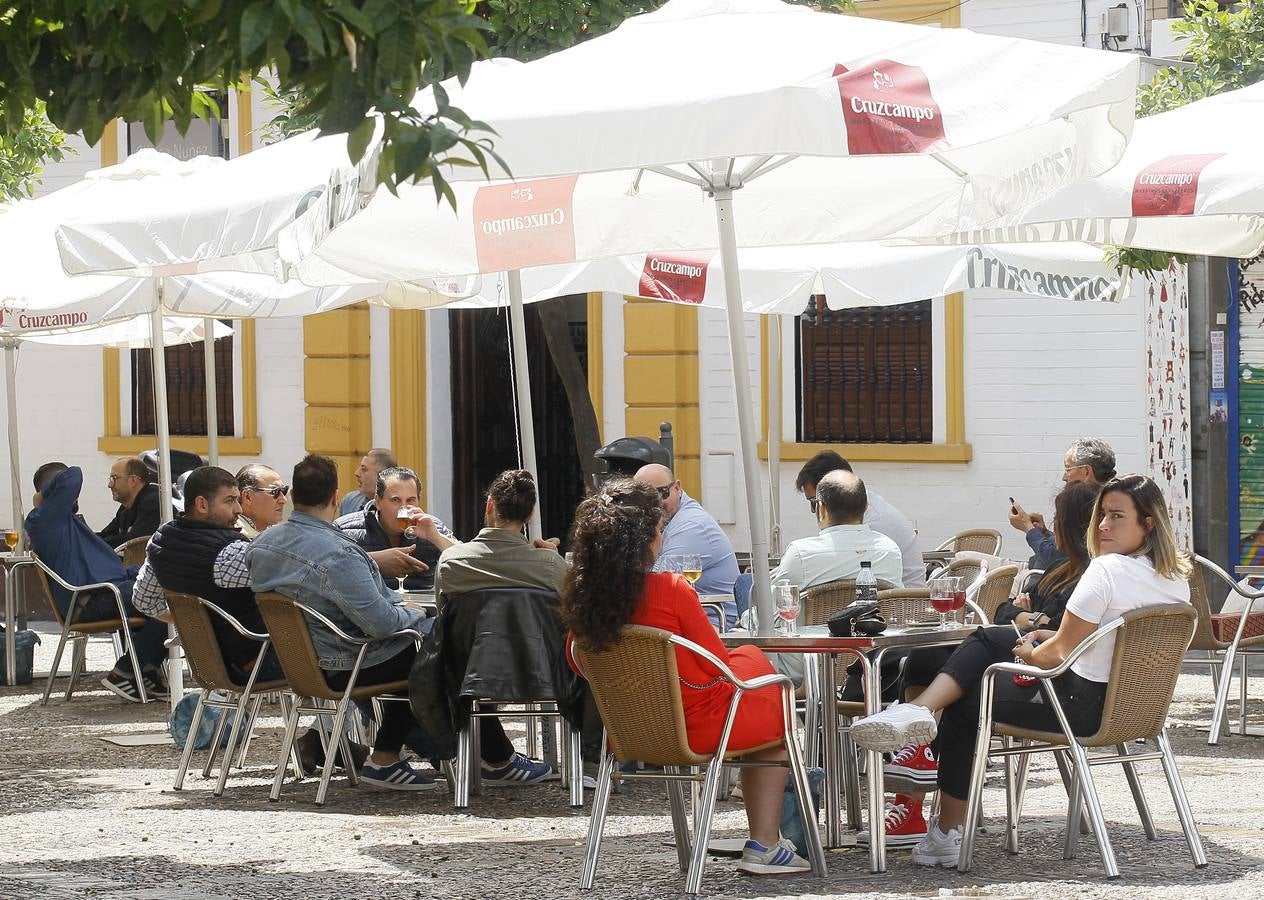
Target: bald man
x,y
690,529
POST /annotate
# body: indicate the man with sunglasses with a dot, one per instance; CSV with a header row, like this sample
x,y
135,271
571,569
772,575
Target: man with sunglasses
x,y
263,496
690,529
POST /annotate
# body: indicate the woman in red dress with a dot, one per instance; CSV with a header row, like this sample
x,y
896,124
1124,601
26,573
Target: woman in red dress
x,y
617,536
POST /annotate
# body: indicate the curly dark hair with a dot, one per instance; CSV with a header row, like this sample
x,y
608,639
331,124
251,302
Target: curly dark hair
x,y
614,530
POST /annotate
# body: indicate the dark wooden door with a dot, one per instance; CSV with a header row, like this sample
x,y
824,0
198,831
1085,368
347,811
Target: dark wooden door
x,y
484,441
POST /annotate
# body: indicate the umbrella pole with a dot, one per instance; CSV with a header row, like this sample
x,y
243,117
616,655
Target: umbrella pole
x,y
762,593
774,435
15,486
157,346
212,410
522,389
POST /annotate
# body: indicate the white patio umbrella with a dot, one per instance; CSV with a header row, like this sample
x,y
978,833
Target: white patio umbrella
x,y
939,130
132,333
38,300
1189,182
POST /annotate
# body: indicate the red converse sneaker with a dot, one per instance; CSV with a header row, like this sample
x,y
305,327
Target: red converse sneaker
x,y
913,769
905,825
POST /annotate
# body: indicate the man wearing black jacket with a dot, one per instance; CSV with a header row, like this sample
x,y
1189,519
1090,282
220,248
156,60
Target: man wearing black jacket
x,y
137,497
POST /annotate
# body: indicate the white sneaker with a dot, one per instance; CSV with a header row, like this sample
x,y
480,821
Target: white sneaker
x,y
895,727
938,848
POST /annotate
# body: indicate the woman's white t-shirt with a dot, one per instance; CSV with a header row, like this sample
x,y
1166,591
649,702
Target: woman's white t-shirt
x,y
1112,585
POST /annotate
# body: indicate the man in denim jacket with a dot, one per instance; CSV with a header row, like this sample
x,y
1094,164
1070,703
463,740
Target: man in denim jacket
x,y
308,559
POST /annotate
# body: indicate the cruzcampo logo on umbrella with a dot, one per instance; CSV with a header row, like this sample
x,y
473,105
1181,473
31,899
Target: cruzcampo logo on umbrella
x,y
888,108
525,223
679,278
20,320
1169,187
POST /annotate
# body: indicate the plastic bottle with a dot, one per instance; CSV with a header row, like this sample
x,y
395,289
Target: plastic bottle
x,y
866,584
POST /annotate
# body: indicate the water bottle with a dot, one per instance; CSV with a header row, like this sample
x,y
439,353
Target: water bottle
x,y
866,584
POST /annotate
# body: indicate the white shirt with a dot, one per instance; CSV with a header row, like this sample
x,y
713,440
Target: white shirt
x,y
1112,585
884,518
836,553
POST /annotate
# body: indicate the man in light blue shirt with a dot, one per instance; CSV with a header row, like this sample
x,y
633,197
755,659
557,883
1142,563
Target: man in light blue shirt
x,y
691,529
843,542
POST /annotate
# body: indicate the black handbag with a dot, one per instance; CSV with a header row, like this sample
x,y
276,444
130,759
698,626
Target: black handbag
x,y
861,618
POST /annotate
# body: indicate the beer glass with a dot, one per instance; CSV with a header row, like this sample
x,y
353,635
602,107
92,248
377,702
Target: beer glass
x,y
11,539
691,567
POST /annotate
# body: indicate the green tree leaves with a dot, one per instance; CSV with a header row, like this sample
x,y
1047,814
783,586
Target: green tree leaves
x,y
151,60
24,155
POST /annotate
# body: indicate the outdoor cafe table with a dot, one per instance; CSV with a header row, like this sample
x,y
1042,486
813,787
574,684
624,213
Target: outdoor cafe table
x,y
869,652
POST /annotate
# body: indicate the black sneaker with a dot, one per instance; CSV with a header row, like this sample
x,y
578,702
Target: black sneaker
x,y
155,686
312,754
123,686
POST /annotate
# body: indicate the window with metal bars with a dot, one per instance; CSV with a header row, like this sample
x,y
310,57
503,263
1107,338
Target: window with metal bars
x,y
865,376
186,389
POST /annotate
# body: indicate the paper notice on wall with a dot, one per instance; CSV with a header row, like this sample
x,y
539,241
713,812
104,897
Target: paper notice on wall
x,y
1167,392
1217,361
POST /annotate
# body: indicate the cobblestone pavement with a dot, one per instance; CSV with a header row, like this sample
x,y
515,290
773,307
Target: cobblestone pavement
x,y
82,817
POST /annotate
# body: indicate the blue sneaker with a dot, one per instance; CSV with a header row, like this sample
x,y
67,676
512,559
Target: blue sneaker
x,y
398,776
519,770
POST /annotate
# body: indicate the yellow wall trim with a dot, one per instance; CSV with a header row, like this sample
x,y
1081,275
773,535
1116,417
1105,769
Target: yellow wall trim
x,y
343,429
596,360
916,12
953,450
131,444
108,146
900,453
245,116
408,391
110,376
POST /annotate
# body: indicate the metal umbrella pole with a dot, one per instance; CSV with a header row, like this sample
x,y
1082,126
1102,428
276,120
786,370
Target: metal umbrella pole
x,y
522,390
212,410
175,667
761,596
15,488
774,435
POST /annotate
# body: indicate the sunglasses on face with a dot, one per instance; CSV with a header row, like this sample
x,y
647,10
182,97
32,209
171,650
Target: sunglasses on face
x,y
276,493
664,492
814,502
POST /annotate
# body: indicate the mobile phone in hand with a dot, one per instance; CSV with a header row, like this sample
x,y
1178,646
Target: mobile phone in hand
x,y
1012,508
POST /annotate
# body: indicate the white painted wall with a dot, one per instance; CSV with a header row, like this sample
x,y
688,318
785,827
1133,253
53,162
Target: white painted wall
x,y
1037,376
1055,21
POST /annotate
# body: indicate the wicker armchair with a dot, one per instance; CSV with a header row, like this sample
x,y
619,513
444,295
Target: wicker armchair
x,y
636,686
192,616
979,540
1149,646
821,601
995,589
133,552
288,628
1222,637
80,631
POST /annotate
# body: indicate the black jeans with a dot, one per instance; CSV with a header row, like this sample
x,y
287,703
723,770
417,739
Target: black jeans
x,y
148,639
1023,705
398,724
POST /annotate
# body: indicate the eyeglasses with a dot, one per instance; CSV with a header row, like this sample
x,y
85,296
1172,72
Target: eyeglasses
x,y
276,493
664,492
814,502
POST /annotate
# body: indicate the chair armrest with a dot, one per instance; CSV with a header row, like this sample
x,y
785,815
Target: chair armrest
x,y
725,671
324,620
1044,674
1228,579
232,620
78,588
978,611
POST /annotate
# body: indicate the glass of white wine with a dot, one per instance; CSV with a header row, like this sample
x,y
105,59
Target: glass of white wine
x,y
691,567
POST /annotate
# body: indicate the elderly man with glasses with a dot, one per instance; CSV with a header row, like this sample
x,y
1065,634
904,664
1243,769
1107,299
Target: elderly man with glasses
x,y
137,496
690,529
263,496
1090,460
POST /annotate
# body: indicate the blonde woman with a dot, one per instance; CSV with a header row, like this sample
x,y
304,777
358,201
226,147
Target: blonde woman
x,y
1135,564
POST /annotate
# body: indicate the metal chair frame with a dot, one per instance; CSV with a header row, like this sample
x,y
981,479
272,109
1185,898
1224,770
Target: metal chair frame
x,y
238,700
1070,755
1220,661
338,713
468,758
691,850
78,591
